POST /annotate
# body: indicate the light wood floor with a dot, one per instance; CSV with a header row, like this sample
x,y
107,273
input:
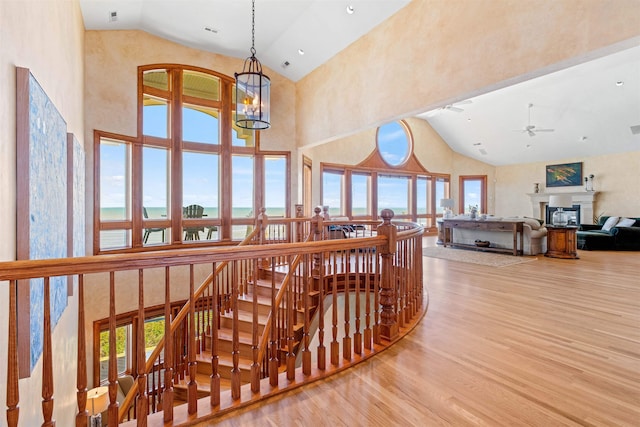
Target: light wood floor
x,y
545,343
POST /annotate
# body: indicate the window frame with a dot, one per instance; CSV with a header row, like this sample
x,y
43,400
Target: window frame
x,y
174,224
462,179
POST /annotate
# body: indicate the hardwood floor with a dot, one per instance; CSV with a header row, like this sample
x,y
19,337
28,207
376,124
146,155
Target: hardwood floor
x,y
553,342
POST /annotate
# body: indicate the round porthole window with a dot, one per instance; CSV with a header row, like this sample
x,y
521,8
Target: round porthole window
x,y
394,143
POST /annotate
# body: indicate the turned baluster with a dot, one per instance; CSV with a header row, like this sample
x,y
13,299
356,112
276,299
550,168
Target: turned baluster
x,y
192,386
235,340
306,354
142,407
112,410
290,321
215,374
357,335
81,381
167,394
255,336
335,345
273,343
322,351
346,340
13,394
47,355
367,293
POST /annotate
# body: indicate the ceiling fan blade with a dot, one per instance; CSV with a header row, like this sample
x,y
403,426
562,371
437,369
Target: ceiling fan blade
x,y
530,132
466,101
544,130
452,108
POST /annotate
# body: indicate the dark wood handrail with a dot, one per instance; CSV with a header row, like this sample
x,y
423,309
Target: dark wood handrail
x,y
133,391
290,255
264,339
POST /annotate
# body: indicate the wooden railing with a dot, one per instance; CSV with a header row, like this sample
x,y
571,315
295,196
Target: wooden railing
x,y
372,282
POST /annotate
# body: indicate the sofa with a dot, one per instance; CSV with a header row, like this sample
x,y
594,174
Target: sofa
x,y
610,233
534,235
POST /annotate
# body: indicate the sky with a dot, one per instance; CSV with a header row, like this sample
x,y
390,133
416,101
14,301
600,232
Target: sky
x,y
201,175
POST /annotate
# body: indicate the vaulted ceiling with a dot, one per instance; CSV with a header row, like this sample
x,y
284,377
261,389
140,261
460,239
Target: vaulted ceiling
x,y
588,109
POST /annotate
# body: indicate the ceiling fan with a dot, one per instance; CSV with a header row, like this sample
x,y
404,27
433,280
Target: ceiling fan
x,y
454,106
530,129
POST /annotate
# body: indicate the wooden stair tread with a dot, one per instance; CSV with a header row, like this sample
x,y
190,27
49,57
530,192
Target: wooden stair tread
x,y
227,334
202,381
224,360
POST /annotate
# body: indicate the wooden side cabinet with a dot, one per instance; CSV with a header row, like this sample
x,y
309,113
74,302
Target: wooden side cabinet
x,y
562,242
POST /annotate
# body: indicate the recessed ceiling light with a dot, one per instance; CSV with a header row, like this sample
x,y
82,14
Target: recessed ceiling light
x,y
619,83
285,64
584,138
300,52
350,10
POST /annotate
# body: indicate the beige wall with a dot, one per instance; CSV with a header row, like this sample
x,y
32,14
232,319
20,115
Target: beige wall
x,y
430,52
111,74
430,150
47,38
433,52
616,177
507,186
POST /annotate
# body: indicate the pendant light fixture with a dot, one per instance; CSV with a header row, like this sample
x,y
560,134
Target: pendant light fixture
x,y
253,89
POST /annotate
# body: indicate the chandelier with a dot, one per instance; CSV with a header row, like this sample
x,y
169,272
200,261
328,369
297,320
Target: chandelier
x,y
252,89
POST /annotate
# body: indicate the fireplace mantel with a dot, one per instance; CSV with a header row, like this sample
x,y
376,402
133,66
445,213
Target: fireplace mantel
x,y
585,199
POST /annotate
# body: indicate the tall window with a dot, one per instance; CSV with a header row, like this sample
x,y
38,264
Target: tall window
x,y
389,178
275,189
333,191
360,194
189,170
393,193
473,193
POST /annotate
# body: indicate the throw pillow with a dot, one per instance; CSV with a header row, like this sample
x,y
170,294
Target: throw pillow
x,y
541,221
626,222
610,223
532,222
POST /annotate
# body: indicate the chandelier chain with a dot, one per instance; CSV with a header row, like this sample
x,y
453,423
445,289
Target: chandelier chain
x,y
253,27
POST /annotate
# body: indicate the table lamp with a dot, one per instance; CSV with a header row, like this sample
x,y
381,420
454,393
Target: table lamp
x,y
447,204
97,403
559,201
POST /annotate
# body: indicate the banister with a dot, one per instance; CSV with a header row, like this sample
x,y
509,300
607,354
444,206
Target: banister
x,y
264,339
133,391
291,256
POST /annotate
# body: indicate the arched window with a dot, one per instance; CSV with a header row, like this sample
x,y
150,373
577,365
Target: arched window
x,y
394,143
190,176
390,177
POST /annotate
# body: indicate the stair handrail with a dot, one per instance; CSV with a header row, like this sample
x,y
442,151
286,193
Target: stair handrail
x,y
133,391
264,339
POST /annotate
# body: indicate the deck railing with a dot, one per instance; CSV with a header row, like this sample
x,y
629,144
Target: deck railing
x,y
280,305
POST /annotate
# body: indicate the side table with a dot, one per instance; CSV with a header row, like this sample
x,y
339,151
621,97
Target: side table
x,y
562,242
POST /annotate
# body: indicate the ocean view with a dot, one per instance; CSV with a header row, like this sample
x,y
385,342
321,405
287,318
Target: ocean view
x,y
111,239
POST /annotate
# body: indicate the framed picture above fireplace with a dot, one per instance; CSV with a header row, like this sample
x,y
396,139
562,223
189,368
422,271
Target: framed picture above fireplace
x,y
564,175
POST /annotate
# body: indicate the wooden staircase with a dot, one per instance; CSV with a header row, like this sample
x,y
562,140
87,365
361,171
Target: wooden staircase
x,y
245,339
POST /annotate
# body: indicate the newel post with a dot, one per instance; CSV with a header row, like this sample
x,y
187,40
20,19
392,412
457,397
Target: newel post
x,y
299,224
317,225
388,317
263,223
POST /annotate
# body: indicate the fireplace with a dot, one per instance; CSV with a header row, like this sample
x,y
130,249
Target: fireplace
x,y
573,214
582,203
